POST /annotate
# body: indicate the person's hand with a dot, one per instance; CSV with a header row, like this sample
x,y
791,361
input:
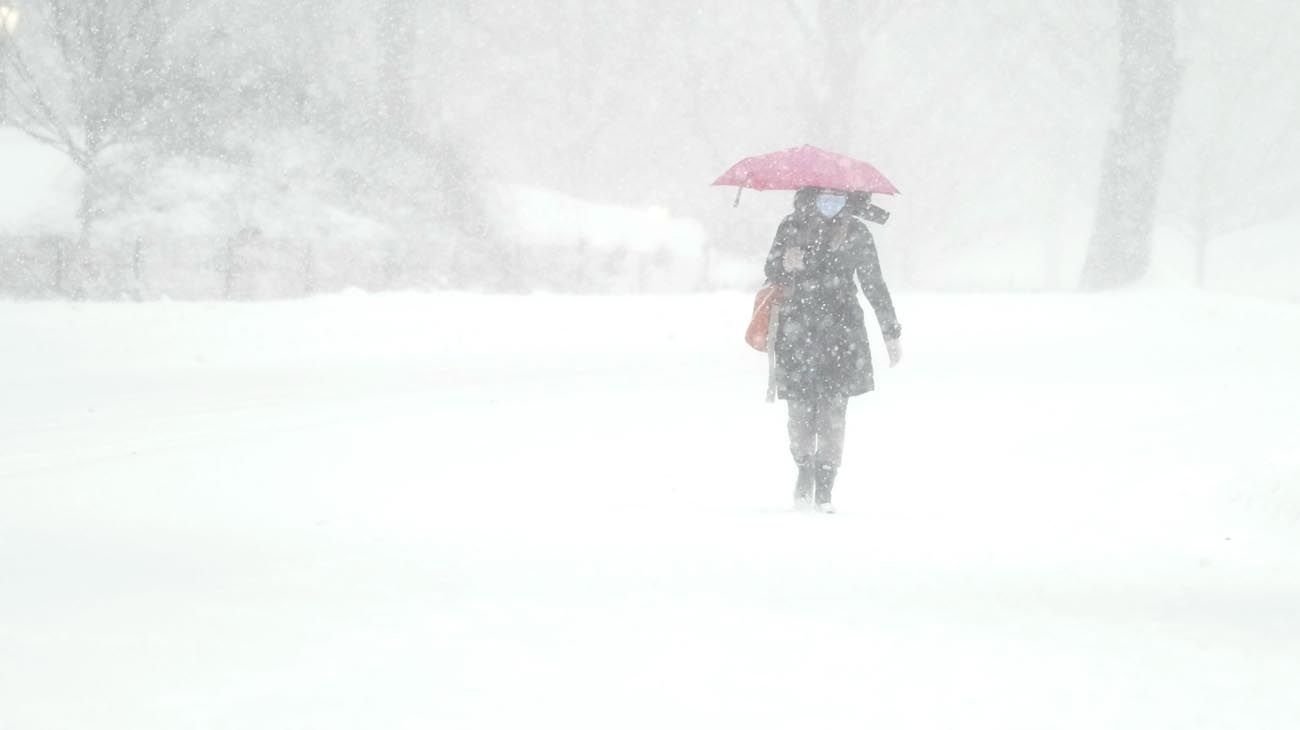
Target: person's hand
x,y
895,347
793,260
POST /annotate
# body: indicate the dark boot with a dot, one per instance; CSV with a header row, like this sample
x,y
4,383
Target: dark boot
x,y
825,482
803,487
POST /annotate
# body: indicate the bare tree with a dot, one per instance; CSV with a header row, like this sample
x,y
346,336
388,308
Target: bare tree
x,y
836,33
396,39
1119,252
1237,142
106,76
1262,173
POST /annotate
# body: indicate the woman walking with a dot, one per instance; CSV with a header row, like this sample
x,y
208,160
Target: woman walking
x,y
822,354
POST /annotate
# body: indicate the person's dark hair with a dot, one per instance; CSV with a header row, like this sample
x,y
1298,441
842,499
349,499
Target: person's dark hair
x,y
806,198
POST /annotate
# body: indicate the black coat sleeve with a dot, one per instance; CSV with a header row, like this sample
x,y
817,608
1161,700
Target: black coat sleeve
x,y
872,280
775,266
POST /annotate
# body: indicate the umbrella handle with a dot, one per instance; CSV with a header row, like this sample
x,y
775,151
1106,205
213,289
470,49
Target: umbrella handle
x,y
740,189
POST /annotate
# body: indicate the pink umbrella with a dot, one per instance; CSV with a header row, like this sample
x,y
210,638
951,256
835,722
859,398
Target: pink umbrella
x,y
804,167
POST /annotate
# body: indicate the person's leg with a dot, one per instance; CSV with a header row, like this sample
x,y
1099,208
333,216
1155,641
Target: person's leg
x,y
830,418
803,430
831,421
803,444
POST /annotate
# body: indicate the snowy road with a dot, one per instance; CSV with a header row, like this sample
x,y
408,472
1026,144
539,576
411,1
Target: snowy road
x,y
464,512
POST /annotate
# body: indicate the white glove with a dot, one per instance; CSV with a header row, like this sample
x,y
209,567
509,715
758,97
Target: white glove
x,y
895,347
793,259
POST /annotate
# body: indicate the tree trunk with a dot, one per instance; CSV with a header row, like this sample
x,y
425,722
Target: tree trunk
x,y
4,78
309,269
1119,252
60,264
396,27
228,280
76,263
95,121
1202,253
837,51
137,267
1201,219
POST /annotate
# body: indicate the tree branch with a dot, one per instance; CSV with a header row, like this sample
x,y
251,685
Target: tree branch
x,y
48,117
805,25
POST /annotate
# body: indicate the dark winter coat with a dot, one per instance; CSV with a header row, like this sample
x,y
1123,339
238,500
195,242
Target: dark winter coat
x,y
821,344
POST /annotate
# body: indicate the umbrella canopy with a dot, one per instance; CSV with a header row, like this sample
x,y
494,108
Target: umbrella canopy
x,y
804,167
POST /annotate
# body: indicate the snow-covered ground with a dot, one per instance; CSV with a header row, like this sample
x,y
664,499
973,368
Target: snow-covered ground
x,y
456,511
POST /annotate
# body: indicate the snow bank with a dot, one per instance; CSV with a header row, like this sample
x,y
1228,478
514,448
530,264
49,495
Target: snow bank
x,y
570,244
540,217
39,187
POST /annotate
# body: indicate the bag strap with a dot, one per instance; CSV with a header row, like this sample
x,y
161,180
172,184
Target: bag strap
x,y
773,316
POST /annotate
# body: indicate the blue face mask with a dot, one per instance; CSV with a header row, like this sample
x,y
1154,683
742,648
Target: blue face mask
x,y
830,204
